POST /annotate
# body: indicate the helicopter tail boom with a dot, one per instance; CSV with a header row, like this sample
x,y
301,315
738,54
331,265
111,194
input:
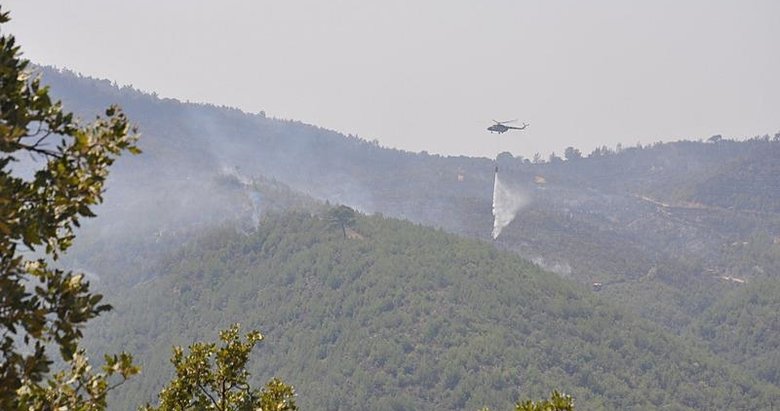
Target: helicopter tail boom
x,y
519,128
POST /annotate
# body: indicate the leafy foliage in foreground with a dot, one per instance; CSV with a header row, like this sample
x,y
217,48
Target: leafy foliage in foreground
x,y
41,307
78,388
215,378
406,317
557,402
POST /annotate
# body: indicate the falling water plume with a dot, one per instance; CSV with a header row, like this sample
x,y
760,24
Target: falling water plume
x,y
506,204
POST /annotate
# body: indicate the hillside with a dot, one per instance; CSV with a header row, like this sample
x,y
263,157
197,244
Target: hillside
x,y
124,246
195,141
684,200
400,316
667,230
744,328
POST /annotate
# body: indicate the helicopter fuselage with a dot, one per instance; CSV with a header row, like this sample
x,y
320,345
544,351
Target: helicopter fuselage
x,y
500,128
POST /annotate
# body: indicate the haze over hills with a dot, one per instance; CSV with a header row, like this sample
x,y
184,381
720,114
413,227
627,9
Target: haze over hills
x,y
670,232
659,191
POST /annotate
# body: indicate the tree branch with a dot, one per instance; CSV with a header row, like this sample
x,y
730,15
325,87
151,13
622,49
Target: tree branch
x,y
213,401
41,151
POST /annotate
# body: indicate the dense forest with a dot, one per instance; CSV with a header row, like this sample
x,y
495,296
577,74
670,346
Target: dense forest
x,y
744,328
633,278
399,316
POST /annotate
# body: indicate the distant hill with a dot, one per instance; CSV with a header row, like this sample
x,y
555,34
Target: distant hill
x,y
181,140
686,200
667,231
403,317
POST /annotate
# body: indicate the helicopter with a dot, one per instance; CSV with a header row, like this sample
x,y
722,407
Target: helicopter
x,y
500,127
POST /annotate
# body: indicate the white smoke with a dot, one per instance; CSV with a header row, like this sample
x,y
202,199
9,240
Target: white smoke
x,y
506,204
560,268
248,185
233,172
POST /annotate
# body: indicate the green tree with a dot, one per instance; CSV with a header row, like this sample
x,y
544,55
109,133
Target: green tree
x,y
77,388
215,378
41,307
341,217
572,154
557,402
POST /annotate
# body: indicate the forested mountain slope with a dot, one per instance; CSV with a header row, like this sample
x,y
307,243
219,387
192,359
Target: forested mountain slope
x,y
124,245
398,316
745,328
684,200
184,139
667,230
192,140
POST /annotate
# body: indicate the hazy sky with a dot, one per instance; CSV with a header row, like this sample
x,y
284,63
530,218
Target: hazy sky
x,y
430,75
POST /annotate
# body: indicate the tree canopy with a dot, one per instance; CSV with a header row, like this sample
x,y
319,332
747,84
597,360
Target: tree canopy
x,y
215,378
557,402
341,217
